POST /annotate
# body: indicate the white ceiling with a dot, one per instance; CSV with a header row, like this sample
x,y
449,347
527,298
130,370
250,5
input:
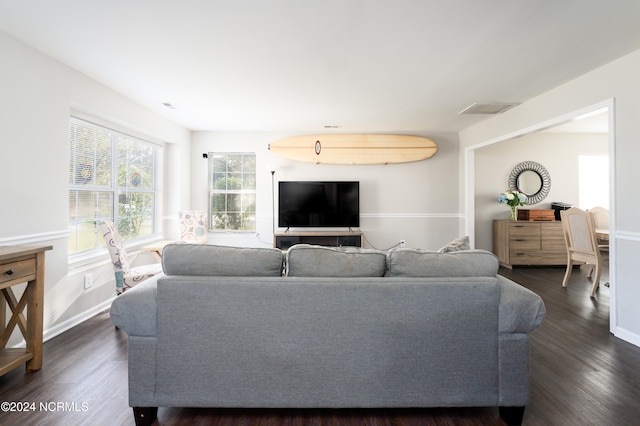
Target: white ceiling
x,y
403,66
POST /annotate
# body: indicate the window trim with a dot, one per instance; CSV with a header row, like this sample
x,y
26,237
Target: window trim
x,y
211,191
82,256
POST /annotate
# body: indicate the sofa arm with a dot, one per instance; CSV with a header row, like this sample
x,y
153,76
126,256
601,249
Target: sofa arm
x,y
135,310
521,310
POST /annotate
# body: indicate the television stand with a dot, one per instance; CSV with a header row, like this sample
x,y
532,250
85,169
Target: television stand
x,y
284,240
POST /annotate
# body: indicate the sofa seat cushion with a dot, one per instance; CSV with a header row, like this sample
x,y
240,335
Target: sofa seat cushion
x,y
305,260
410,262
211,260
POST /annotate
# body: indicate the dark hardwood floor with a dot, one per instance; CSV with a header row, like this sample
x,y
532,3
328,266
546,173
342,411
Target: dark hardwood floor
x,y
580,375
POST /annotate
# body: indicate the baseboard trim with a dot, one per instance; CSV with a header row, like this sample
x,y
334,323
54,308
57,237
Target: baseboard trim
x,y
58,329
627,336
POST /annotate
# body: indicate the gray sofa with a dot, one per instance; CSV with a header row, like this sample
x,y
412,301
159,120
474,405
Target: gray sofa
x,y
322,327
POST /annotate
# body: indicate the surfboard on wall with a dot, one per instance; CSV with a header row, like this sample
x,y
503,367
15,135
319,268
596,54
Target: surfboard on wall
x,y
355,149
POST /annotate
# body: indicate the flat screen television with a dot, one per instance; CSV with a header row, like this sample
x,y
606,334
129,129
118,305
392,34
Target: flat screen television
x,y
307,204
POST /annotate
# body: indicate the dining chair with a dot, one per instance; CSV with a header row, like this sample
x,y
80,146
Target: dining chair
x,y
580,237
193,226
601,223
126,276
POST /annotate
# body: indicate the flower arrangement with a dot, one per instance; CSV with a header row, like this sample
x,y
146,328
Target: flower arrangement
x,y
513,199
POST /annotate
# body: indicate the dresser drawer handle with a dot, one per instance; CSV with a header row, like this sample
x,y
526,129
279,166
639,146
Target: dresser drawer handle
x,y
9,272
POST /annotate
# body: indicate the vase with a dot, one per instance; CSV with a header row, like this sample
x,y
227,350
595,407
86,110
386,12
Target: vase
x,y
514,213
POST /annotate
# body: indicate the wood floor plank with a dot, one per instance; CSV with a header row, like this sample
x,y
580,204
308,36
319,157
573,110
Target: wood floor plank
x,y
580,375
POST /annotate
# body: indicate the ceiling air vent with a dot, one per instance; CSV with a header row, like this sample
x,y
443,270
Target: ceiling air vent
x,y
495,108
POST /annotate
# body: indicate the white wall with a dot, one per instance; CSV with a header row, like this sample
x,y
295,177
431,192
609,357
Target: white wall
x,y
176,184
615,81
417,202
557,152
38,95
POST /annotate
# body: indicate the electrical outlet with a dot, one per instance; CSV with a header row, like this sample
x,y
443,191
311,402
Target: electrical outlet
x,y
403,243
88,281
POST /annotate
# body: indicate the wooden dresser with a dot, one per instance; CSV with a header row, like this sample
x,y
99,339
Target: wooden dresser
x,y
530,243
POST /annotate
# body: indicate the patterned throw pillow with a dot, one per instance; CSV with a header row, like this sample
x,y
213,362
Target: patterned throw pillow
x,y
458,244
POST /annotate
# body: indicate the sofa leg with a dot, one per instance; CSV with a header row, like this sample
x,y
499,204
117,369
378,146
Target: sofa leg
x,y
512,415
145,416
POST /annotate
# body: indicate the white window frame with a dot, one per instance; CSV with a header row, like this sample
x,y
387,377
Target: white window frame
x,y
243,192
114,189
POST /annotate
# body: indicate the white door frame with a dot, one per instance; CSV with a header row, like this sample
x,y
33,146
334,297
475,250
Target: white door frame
x,y
469,183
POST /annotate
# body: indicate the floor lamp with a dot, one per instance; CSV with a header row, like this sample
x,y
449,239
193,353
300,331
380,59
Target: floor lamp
x,y
273,201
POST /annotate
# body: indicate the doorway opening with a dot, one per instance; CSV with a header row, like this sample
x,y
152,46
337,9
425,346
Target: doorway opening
x,y
481,205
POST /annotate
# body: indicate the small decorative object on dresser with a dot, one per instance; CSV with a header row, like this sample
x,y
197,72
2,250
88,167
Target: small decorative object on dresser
x,y
558,207
536,214
514,199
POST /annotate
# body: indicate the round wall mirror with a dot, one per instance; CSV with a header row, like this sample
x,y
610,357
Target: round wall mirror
x,y
529,182
532,179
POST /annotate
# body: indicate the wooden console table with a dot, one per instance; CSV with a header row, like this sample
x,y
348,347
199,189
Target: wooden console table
x,y
20,264
156,248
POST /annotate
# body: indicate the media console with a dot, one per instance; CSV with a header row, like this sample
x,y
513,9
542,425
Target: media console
x,y
284,240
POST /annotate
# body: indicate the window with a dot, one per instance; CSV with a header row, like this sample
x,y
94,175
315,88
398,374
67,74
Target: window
x,y
111,175
232,191
593,183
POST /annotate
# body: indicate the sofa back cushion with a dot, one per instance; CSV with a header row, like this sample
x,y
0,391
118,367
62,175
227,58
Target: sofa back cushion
x,y
211,260
409,262
305,260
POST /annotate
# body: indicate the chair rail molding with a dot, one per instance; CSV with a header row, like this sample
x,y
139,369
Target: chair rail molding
x,y
35,238
625,235
413,215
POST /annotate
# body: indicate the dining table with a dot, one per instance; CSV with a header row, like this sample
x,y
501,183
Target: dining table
x,y
602,234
